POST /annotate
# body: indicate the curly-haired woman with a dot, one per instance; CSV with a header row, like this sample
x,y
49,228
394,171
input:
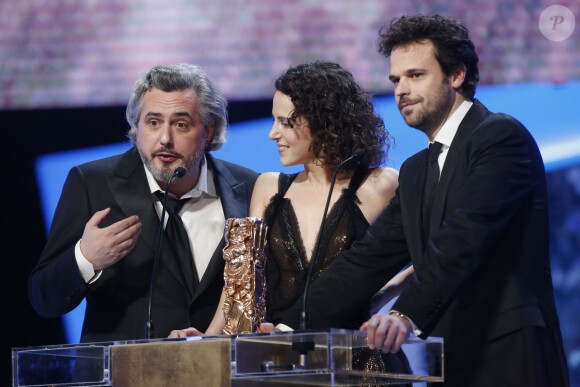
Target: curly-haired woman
x,y
321,117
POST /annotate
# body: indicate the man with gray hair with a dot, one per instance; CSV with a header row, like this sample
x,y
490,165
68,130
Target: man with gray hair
x,y
104,236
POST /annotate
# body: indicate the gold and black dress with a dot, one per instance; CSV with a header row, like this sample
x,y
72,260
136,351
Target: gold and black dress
x,y
287,260
287,265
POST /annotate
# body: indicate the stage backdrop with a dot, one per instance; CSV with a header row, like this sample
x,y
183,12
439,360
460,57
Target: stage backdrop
x,y
88,53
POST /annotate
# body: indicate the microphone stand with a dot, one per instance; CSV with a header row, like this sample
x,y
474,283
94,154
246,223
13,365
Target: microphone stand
x,y
149,327
303,347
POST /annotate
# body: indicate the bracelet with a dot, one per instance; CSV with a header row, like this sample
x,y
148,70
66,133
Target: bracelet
x,y
416,331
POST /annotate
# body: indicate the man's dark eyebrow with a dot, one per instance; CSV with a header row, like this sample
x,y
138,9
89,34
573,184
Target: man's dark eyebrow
x,y
406,72
414,70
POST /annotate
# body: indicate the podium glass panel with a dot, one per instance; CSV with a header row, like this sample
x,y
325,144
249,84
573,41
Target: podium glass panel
x,y
332,358
61,365
324,358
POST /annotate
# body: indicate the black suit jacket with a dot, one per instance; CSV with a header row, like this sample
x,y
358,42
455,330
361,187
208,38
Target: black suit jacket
x,y
484,272
116,307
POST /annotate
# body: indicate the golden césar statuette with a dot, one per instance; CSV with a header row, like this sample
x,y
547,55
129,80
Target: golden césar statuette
x,y
244,275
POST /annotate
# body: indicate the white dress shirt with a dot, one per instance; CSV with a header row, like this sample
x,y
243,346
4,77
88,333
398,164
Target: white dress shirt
x,y
202,216
447,132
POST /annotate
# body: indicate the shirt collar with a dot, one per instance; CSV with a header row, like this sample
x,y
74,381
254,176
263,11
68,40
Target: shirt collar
x,y
205,183
449,128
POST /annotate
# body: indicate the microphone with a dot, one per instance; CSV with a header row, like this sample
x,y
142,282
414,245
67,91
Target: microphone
x,y
304,346
149,328
355,157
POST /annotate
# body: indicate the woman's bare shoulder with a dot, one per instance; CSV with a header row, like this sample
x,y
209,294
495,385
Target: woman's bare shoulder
x,y
383,180
266,179
377,191
266,186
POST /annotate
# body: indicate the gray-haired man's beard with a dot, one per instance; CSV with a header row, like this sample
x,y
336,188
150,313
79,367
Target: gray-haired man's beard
x,y
163,174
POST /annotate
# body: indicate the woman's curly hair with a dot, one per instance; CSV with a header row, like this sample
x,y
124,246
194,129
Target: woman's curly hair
x,y
339,113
